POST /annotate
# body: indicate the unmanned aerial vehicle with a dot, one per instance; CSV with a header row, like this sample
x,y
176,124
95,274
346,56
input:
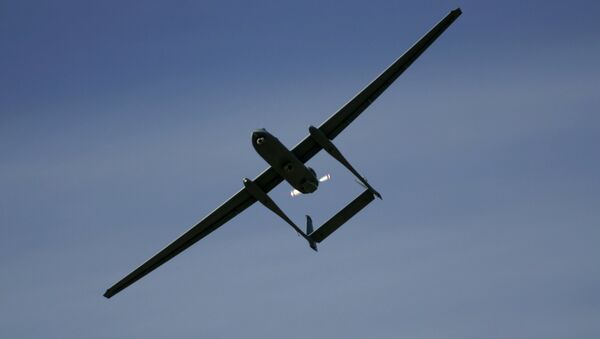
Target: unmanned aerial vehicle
x,y
289,165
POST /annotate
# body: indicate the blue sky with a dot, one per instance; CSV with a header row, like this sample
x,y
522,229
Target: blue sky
x,y
122,124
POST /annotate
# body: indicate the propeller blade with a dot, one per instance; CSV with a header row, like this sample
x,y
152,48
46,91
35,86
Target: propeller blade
x,y
325,177
295,192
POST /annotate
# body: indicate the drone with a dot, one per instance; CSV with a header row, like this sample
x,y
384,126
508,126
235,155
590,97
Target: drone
x,y
290,165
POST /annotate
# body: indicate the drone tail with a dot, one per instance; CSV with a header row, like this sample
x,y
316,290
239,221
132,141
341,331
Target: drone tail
x,y
342,216
309,230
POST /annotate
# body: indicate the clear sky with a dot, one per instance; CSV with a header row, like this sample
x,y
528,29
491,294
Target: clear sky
x,y
122,123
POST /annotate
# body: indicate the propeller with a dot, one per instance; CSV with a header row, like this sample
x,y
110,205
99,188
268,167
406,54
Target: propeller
x,y
325,178
295,192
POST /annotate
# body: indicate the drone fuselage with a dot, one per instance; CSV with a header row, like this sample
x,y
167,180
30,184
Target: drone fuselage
x,y
284,162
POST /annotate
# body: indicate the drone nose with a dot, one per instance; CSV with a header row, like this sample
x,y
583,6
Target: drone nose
x,y
259,132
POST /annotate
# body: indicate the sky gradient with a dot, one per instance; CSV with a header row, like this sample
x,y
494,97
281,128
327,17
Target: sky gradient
x,y
123,124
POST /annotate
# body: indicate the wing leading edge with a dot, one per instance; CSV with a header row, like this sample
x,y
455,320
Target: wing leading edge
x,y
222,214
307,148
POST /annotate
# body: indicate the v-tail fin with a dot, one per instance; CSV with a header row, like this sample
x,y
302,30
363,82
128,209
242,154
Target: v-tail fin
x,y
309,230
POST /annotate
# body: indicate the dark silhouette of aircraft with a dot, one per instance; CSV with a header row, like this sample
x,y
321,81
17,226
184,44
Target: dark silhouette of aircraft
x,y
289,165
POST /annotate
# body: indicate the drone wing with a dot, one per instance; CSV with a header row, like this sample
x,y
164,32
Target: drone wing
x,y
307,148
232,207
